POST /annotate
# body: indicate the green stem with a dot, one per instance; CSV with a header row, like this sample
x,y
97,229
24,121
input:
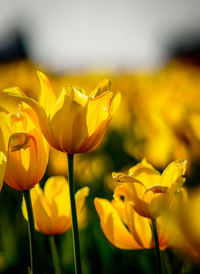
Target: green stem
x,y
157,249
76,245
31,230
54,255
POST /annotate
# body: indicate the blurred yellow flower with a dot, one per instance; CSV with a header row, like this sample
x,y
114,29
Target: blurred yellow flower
x,y
25,147
2,167
73,122
125,228
51,207
146,189
182,223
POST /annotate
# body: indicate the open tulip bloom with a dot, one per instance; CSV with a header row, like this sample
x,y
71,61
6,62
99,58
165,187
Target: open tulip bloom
x,y
52,211
147,191
26,149
27,154
73,123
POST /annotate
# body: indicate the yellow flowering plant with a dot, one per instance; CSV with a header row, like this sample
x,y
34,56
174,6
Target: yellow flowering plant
x,y
52,212
51,209
27,154
73,123
148,191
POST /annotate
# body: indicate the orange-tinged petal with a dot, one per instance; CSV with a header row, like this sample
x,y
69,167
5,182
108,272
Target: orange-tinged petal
x,y
163,237
113,227
95,139
2,168
137,225
140,205
143,230
25,168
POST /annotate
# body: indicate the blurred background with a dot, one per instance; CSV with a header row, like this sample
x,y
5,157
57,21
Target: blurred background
x,y
96,34
151,52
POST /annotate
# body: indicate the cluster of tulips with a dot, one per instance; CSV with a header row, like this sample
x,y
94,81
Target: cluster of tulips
x,y
149,210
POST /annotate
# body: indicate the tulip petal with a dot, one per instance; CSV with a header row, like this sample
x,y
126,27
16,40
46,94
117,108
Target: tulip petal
x,y
98,111
41,115
137,225
113,227
47,96
145,173
80,198
115,103
8,103
2,168
57,189
103,86
42,216
174,170
70,107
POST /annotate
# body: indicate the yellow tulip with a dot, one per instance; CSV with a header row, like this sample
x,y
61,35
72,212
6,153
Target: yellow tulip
x,y
182,223
51,207
73,122
147,190
2,167
25,147
126,229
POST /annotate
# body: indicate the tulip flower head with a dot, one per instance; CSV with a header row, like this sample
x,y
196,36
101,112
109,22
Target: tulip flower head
x,y
125,228
147,190
51,207
26,149
182,223
73,122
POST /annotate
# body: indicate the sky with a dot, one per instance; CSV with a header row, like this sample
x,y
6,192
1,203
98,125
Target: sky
x,y
75,34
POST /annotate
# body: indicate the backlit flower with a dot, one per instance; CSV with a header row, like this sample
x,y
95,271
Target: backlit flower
x,y
51,207
25,148
2,167
73,122
182,222
147,190
125,228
